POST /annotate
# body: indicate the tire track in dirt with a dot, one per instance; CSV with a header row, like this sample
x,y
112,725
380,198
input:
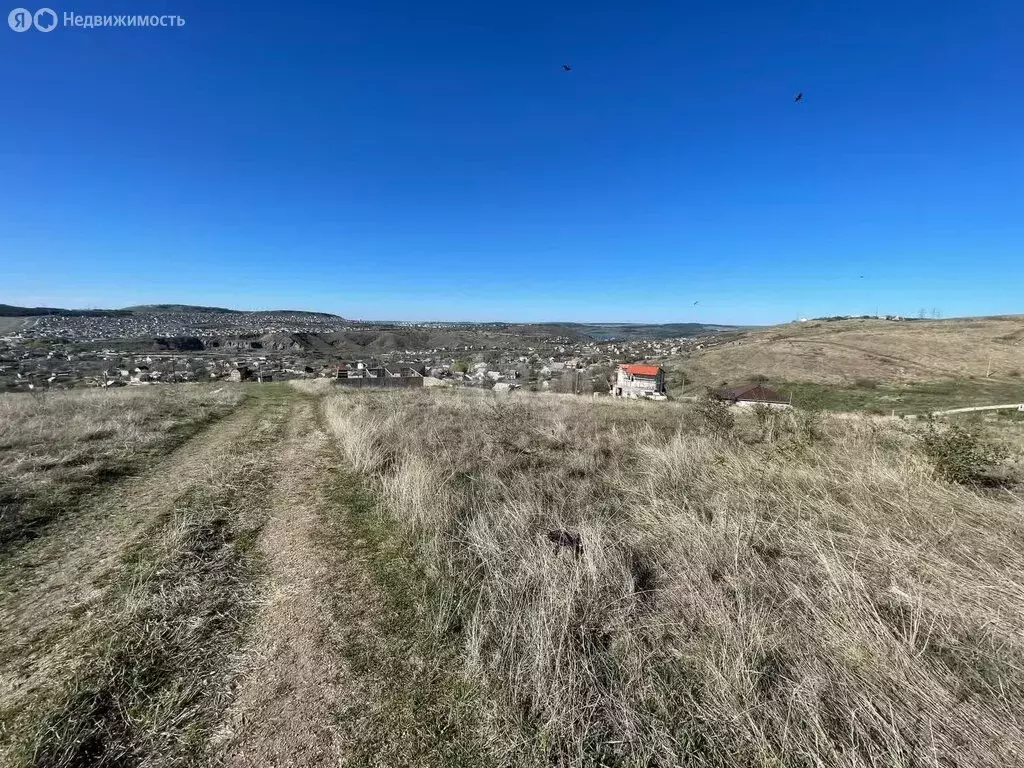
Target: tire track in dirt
x,y
339,669
331,664
56,590
284,708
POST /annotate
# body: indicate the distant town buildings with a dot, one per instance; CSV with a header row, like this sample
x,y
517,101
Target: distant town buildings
x,y
159,348
360,375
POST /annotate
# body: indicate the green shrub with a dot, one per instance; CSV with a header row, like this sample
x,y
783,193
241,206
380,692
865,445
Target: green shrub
x,y
767,421
961,456
807,425
716,416
793,425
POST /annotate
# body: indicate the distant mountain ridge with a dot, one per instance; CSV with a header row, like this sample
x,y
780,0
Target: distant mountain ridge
x,y
626,331
594,331
167,308
163,308
9,310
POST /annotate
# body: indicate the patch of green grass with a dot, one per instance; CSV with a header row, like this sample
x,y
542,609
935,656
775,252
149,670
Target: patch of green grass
x,y
961,455
422,713
912,398
1012,416
883,398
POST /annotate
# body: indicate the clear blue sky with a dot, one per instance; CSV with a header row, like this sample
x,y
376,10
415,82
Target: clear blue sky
x,y
392,159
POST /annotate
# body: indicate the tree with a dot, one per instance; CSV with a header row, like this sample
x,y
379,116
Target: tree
x,y
677,379
566,383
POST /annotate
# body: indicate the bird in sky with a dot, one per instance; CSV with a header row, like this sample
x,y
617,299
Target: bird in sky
x,y
696,303
799,97
567,68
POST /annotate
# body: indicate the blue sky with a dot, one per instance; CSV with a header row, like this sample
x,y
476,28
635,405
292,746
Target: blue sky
x,y
390,159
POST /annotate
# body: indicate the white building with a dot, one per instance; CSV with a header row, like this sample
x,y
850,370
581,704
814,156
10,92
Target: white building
x,y
637,380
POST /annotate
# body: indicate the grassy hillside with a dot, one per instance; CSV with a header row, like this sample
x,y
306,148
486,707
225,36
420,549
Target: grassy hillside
x,y
905,366
845,351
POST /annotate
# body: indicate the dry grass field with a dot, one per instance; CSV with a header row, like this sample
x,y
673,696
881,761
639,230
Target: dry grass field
x,y
56,447
794,592
85,480
275,575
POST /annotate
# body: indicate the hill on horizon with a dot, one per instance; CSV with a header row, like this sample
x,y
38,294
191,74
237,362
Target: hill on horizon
x,y
610,331
904,366
161,308
10,310
844,351
595,331
167,308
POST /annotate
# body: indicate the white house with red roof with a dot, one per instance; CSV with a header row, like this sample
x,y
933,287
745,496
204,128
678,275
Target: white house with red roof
x,y
639,380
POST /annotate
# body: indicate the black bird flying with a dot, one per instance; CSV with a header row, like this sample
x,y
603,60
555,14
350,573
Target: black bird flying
x,y
566,67
799,97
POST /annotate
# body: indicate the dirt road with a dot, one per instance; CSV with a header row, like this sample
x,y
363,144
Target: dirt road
x,y
289,685
238,604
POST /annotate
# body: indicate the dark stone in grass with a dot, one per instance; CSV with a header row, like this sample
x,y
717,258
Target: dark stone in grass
x,y
567,539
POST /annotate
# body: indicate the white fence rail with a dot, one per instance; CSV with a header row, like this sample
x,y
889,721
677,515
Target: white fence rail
x,y
1009,407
